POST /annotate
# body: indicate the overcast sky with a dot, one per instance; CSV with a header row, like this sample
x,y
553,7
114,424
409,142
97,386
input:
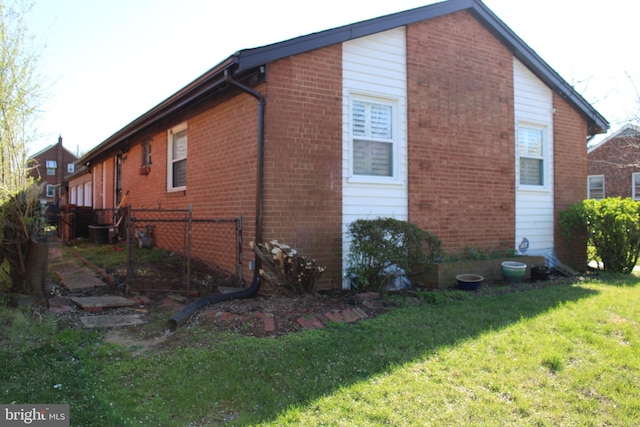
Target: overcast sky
x,y
108,62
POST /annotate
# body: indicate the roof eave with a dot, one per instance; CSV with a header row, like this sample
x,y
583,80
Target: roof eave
x,y
246,60
207,82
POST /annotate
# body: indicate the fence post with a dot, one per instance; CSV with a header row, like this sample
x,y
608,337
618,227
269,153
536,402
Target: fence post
x,y
128,224
239,248
189,229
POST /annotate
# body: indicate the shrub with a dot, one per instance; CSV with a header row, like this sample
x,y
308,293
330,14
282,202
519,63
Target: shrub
x,y
612,226
381,247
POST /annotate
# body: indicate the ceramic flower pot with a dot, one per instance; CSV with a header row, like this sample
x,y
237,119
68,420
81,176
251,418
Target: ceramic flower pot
x,y
540,272
513,272
469,282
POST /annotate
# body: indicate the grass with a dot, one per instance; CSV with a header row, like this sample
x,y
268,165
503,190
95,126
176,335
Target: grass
x,y
564,355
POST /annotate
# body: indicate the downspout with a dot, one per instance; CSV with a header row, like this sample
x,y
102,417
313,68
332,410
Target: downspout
x,y
183,315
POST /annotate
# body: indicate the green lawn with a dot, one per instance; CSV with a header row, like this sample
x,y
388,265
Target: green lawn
x,y
566,355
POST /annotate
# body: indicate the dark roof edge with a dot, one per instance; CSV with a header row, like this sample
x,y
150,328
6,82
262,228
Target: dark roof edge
x,y
203,84
245,60
539,67
249,58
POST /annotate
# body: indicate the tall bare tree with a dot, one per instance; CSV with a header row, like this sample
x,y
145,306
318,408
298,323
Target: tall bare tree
x,y
21,93
20,96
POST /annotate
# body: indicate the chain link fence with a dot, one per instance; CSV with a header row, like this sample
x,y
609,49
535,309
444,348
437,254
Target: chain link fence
x,y
170,250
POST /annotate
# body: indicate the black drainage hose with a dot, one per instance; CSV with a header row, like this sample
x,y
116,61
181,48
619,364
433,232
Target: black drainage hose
x,y
183,315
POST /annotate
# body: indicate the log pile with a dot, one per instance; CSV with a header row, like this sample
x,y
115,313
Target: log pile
x,y
285,270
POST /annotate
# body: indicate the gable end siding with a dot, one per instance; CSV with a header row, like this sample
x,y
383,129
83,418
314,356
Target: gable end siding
x,y
374,69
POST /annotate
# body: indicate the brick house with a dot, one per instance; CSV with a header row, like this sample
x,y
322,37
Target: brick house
x,y
614,165
438,115
51,165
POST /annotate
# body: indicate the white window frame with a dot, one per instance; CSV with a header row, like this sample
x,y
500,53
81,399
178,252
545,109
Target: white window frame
x,y
71,168
88,194
51,190
80,196
589,186
73,195
635,194
393,140
545,157
170,157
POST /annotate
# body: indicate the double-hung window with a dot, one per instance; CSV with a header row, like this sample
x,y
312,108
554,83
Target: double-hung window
x,y
373,138
52,165
531,152
177,155
595,187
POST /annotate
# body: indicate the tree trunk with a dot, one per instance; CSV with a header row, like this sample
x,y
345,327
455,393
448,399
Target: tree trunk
x,y
37,266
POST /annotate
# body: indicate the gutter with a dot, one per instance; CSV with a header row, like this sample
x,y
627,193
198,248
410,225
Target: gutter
x,y
183,315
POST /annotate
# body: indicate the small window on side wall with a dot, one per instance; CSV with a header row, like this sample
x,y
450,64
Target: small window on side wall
x,y
531,156
51,191
146,153
177,156
595,187
373,138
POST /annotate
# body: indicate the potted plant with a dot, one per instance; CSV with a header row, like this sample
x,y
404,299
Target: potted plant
x,y
469,282
540,272
513,271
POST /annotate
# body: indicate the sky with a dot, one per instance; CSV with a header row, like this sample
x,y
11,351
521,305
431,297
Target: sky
x,y
105,63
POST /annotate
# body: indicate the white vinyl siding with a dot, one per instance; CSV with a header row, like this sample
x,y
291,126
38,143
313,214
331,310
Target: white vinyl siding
x,y
533,112
374,154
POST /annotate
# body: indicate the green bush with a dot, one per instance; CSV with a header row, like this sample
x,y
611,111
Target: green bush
x,y
379,247
612,226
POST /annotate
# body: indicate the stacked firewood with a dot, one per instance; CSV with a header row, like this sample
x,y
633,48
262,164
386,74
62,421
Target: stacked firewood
x,y
285,270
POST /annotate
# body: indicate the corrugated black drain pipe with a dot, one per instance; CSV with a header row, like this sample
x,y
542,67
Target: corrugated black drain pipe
x,y
183,315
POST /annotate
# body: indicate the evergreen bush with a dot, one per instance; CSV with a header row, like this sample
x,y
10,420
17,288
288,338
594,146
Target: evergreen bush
x,y
382,248
612,226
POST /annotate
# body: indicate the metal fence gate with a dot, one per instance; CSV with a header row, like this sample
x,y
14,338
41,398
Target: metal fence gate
x,y
169,250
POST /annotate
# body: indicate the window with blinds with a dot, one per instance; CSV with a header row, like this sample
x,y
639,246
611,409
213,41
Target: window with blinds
x,y
595,187
177,179
372,134
530,146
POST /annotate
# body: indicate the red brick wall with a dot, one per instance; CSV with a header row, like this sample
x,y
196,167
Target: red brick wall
x,y
570,176
221,176
302,166
461,134
303,157
617,160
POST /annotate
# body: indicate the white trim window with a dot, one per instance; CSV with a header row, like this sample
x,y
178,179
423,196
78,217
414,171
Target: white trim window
x,y
177,158
51,190
373,139
635,185
88,194
595,187
532,156
52,165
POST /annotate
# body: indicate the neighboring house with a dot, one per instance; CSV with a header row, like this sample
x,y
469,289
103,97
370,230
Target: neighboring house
x,y
50,166
439,115
614,165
